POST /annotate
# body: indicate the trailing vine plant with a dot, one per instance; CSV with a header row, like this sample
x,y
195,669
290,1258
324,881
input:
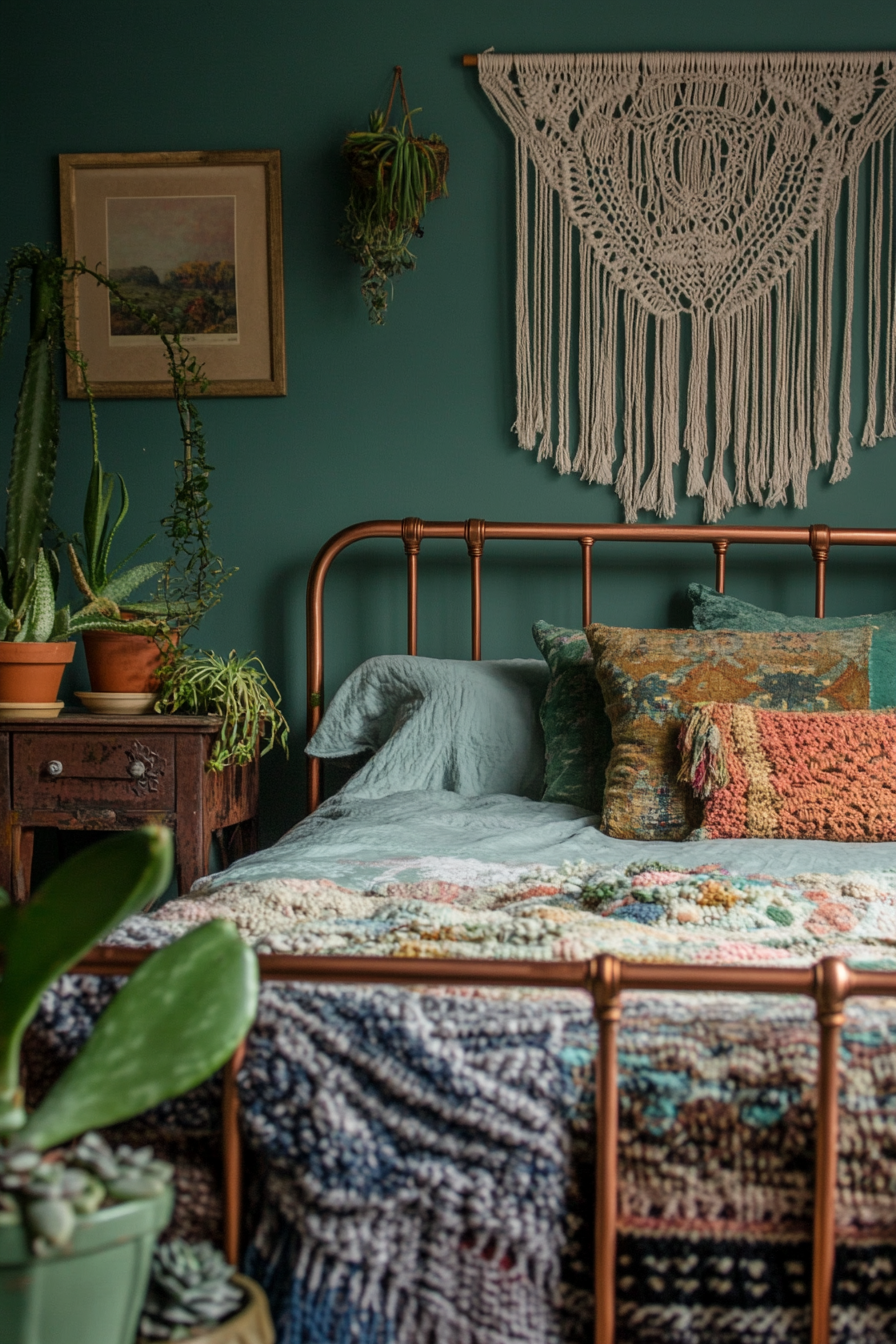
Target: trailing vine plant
x,y
192,580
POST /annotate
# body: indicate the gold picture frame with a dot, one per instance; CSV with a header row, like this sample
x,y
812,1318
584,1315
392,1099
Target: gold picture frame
x,y
197,235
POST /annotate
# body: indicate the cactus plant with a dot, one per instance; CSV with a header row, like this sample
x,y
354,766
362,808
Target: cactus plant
x,y
175,1021
190,1287
29,574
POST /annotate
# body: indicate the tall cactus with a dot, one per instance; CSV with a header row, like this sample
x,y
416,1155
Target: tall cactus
x,y
32,471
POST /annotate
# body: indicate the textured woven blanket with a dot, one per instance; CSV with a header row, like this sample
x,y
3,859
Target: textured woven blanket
x,y
426,1159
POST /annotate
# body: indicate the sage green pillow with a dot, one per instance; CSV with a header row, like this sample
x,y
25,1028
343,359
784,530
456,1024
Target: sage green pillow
x,y
577,735
718,611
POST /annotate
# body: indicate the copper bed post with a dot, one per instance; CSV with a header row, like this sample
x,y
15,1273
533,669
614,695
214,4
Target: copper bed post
x,y
720,546
232,1154
832,986
474,535
606,980
412,535
820,544
586,544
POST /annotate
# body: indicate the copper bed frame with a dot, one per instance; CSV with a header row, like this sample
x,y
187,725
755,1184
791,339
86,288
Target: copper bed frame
x,y
830,983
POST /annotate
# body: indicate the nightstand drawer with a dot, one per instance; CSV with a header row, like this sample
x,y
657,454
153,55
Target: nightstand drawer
x,y
53,771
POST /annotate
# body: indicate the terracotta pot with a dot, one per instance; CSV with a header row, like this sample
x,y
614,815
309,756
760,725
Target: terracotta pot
x,y
121,662
32,672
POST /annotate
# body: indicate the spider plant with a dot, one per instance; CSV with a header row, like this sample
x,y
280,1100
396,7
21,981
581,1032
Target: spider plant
x,y
395,174
238,689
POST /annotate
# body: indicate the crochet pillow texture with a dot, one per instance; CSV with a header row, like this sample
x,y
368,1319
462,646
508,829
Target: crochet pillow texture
x,y
772,774
718,611
577,738
653,679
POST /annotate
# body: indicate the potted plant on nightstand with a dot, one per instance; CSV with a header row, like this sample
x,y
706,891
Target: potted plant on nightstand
x,y
77,1225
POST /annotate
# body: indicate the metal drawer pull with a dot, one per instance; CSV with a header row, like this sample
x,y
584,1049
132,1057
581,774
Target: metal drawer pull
x,y
54,769
137,769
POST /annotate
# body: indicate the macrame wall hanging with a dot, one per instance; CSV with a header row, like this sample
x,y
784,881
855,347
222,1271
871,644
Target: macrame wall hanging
x,y
678,213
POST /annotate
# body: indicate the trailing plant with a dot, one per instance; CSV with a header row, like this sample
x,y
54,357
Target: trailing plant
x,y
176,1020
191,581
191,1286
395,174
238,689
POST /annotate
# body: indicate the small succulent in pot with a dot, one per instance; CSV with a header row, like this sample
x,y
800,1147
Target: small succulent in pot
x,y
191,1289
48,1192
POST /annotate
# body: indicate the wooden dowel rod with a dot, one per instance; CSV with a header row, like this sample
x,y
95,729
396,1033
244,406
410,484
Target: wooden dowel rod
x,y
470,61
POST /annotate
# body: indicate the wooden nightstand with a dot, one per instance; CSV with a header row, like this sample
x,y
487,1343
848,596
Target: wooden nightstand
x,y
97,772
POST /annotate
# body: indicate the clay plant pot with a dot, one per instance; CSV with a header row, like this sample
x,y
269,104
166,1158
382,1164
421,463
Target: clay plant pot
x,y
90,1293
32,672
252,1325
121,662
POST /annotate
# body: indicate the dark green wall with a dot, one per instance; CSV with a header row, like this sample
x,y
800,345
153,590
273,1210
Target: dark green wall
x,y
413,418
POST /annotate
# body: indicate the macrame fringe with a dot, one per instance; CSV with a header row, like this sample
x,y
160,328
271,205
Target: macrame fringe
x,y
759,407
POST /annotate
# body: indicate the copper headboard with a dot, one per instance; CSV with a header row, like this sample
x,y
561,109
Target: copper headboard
x,y
476,532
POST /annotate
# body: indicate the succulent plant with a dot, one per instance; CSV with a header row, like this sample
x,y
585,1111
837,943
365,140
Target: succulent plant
x,y
48,1192
190,1286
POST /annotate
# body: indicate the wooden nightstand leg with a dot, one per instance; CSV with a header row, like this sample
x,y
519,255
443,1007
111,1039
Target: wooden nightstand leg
x,y
22,854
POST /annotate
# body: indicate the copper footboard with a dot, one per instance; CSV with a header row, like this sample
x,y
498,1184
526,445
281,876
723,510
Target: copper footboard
x,y
830,983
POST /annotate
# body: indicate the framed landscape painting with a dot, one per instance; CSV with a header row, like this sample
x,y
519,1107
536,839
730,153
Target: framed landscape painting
x,y
194,238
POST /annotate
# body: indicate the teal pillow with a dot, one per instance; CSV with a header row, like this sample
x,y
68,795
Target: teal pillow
x,y
436,723
718,611
577,735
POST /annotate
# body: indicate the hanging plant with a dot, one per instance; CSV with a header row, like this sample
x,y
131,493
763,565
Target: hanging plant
x,y
395,174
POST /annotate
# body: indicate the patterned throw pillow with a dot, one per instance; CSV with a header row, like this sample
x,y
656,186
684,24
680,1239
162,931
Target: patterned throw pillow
x,y
791,776
577,736
717,611
653,679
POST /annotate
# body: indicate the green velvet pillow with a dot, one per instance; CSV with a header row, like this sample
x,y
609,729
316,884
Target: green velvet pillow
x,y
718,611
577,735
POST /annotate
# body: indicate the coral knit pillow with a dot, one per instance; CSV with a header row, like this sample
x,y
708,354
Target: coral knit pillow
x,y
773,773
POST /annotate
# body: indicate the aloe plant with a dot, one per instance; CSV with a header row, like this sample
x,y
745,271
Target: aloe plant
x,y
176,1021
106,591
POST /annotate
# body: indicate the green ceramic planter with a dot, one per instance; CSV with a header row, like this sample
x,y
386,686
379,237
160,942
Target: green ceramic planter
x,y
91,1294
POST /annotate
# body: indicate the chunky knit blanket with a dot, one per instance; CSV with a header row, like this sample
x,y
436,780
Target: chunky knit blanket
x,y
426,1158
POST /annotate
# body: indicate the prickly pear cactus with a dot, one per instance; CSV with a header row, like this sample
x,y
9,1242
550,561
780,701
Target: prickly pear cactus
x,y
190,1287
47,1192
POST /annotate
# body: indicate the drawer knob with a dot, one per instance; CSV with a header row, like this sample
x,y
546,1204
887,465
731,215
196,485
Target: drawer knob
x,y
54,769
137,769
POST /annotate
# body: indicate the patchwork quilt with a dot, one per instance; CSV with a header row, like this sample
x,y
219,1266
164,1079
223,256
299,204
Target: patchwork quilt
x,y
426,1157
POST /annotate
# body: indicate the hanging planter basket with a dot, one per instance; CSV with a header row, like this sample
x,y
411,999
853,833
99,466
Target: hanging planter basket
x,y
395,175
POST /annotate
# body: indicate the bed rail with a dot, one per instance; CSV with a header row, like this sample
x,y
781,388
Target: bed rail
x,y
475,532
830,983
